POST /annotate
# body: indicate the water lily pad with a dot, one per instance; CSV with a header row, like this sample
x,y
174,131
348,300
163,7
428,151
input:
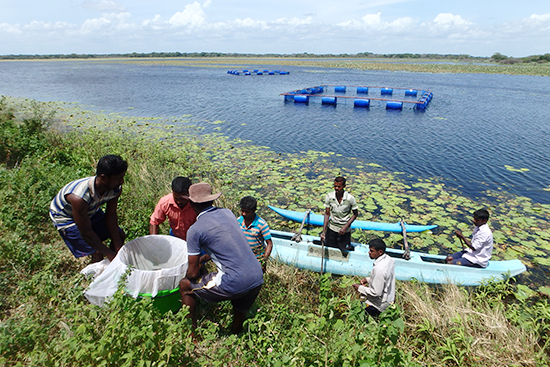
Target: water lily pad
x,y
510,168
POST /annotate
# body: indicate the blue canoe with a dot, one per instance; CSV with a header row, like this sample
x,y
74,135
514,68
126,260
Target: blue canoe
x,y
306,254
317,220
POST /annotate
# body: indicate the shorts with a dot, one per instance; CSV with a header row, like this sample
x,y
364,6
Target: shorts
x,y
459,260
341,241
75,242
206,288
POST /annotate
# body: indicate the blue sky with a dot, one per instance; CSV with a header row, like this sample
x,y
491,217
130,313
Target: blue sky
x,y
474,27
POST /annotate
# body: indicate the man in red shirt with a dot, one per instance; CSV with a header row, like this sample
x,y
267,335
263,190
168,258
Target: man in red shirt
x,y
176,208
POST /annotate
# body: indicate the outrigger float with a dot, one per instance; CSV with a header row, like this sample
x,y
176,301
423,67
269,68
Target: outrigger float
x,y
317,220
258,72
307,252
361,95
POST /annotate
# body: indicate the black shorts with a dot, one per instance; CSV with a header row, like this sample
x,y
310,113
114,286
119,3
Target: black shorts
x,y
336,240
205,287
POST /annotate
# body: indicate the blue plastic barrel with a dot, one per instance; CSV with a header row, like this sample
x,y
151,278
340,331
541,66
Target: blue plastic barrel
x,y
289,97
255,70
303,91
259,73
301,99
393,105
411,92
361,103
421,106
340,89
328,100
271,73
386,91
244,71
362,90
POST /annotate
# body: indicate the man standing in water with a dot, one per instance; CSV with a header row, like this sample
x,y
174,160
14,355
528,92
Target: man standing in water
x,y
77,215
340,212
238,277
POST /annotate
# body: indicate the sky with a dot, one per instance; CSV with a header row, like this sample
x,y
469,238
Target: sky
x,y
473,27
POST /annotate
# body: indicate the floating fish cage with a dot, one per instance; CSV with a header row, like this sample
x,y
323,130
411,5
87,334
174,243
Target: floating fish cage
x,y
362,96
258,72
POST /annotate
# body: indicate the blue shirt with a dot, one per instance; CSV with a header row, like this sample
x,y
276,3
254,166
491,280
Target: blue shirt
x,y
218,233
256,234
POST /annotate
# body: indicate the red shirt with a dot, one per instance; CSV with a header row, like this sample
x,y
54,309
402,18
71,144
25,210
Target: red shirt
x,y
180,219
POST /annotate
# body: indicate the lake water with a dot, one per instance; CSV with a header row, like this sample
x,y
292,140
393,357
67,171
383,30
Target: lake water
x,y
475,125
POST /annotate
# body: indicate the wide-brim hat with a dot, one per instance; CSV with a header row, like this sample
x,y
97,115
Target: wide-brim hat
x,y
202,192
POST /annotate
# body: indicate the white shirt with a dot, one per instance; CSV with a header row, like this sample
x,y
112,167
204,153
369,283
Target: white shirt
x,y
380,292
482,241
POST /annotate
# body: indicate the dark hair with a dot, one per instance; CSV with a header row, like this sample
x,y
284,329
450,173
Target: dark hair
x,y
248,203
378,244
111,165
340,179
482,214
180,185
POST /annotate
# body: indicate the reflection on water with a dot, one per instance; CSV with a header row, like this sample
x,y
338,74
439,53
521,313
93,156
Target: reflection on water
x,y
475,125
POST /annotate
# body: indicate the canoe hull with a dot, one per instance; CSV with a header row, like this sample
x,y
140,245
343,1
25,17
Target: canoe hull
x,y
306,254
317,220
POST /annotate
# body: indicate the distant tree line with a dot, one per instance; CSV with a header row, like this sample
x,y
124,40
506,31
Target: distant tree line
x,y
503,59
497,57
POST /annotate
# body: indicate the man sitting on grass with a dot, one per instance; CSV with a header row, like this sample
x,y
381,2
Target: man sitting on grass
x,y
379,288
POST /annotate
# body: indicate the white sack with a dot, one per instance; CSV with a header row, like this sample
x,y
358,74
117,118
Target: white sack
x,y
159,263
95,269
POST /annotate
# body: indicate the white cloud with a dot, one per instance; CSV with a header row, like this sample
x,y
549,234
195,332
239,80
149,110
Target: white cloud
x,y
448,20
107,24
104,6
10,28
192,16
374,22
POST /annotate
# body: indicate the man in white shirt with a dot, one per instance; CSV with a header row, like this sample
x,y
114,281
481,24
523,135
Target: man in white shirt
x,y
477,252
379,288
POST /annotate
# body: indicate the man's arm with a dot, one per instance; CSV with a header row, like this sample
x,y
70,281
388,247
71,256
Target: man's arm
x,y
84,224
375,286
344,229
464,240
193,268
111,218
268,248
154,229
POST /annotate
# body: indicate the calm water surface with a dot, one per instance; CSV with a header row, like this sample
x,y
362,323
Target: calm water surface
x,y
474,126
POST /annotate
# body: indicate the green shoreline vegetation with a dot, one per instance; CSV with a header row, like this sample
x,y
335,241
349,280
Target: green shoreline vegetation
x,y
538,65
300,318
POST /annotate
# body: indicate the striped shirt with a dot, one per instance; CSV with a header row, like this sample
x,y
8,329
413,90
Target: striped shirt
x,y
61,211
256,234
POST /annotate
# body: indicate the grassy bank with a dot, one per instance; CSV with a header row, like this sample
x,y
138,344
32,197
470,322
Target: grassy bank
x,y
300,319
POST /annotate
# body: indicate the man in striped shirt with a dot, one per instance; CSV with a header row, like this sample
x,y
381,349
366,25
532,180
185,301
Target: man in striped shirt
x,y
77,215
255,230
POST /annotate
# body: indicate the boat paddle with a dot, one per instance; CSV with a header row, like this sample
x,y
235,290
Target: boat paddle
x,y
407,253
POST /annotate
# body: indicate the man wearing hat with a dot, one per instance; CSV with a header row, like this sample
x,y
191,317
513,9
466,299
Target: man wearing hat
x,y
239,275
